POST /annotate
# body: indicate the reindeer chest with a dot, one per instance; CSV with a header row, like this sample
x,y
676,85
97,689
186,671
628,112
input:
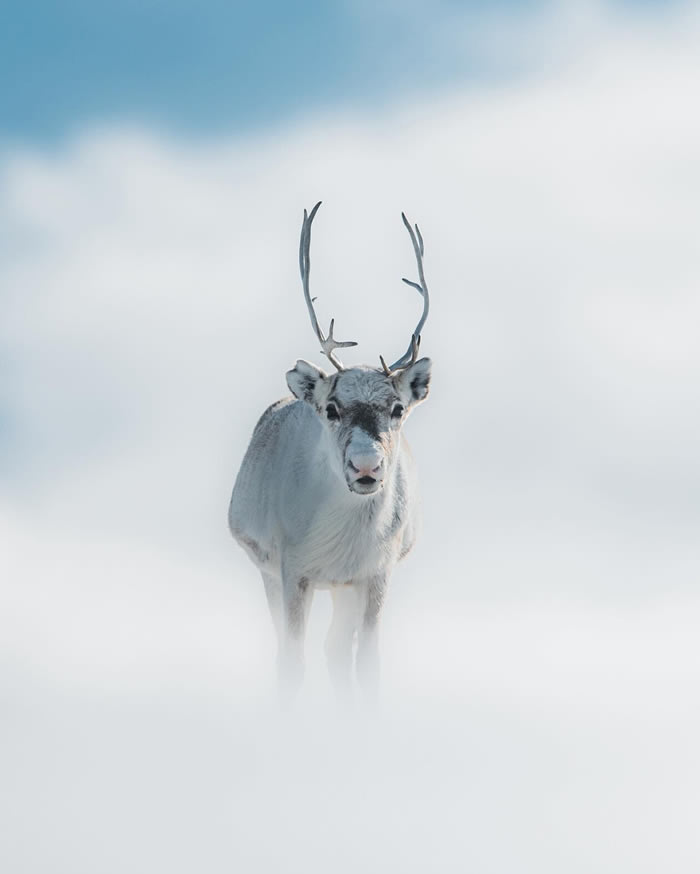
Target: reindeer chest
x,y
344,544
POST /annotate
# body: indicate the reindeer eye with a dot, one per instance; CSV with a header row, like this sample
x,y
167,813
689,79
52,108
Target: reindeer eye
x,y
397,412
332,412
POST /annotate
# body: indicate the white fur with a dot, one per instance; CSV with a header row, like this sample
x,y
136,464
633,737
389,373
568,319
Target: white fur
x,y
295,510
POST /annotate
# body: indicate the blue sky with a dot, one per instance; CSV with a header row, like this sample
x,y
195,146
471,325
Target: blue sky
x,y
217,66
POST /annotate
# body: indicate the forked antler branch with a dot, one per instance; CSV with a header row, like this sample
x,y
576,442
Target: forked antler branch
x,y
328,343
411,354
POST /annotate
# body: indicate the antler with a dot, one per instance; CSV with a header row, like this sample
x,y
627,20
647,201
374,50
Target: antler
x,y
328,343
411,354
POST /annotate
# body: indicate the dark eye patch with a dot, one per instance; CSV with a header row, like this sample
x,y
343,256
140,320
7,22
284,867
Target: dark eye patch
x,y
397,411
332,412
364,416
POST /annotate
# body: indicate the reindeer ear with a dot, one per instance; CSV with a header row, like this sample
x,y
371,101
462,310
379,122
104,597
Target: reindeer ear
x,y
304,379
413,383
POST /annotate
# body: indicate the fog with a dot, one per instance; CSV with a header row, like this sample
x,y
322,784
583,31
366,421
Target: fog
x,y
540,658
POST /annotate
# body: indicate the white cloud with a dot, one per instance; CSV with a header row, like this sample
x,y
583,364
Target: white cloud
x,y
540,644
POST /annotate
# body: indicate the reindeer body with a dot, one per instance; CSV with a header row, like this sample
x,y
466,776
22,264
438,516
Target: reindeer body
x,y
288,506
326,498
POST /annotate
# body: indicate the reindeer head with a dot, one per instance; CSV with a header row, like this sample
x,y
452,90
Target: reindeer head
x,y
363,408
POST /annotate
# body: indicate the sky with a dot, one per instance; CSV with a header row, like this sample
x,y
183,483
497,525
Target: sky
x,y
215,67
539,648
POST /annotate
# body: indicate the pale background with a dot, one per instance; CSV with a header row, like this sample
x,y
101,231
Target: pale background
x,y
541,657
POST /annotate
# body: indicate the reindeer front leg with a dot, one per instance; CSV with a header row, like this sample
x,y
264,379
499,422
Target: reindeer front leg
x,y
348,610
297,593
367,659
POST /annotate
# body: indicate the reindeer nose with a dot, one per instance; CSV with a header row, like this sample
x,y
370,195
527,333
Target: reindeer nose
x,y
366,465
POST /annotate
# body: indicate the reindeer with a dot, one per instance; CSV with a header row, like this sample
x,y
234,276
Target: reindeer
x,y
326,495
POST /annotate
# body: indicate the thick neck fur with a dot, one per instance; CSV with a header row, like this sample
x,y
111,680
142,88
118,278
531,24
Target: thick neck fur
x,y
352,535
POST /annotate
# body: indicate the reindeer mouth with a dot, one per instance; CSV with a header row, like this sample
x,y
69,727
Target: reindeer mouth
x,y
365,485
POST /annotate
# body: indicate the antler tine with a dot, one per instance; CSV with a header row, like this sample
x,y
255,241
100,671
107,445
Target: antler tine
x,y
328,343
410,355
